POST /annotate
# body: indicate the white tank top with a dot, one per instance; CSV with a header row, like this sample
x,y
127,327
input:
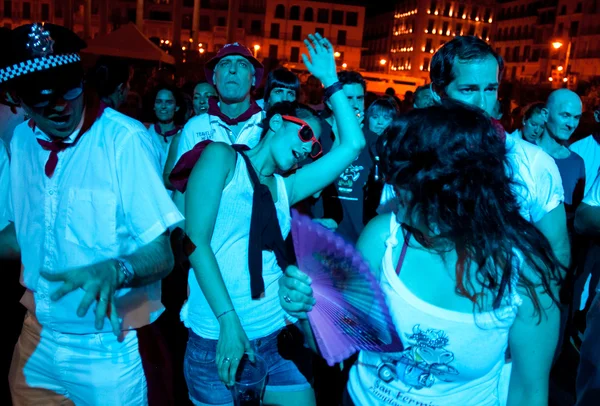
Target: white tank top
x,y
229,242
450,358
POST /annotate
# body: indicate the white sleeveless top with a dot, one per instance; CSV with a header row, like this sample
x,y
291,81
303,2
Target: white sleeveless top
x,y
229,242
450,358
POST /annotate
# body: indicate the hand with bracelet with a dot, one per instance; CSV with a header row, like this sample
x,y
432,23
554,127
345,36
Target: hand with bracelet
x,y
232,345
99,281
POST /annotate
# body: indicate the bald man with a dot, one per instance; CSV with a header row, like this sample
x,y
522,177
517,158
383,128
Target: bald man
x,y
562,113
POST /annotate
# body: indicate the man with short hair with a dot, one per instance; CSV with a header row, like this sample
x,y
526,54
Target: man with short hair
x,y
341,206
423,97
467,69
563,112
91,215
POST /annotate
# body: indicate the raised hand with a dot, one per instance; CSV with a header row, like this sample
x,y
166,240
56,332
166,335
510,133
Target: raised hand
x,y
99,282
320,60
295,293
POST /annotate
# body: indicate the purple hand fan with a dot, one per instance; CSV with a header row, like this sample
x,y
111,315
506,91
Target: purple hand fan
x,y
350,313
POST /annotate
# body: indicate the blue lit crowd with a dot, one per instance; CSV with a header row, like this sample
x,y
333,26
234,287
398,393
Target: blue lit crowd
x,y
156,254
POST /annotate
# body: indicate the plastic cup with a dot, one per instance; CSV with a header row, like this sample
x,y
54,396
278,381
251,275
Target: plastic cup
x,y
250,380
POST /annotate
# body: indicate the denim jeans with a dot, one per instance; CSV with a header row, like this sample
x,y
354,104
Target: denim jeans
x,y
588,375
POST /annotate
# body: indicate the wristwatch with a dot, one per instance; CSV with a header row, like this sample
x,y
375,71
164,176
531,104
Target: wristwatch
x,y
125,268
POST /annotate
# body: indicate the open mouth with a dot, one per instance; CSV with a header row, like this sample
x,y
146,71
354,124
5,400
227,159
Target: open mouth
x,y
62,119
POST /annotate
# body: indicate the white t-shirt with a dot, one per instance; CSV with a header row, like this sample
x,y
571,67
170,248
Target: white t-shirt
x,y
538,188
589,149
162,145
105,200
592,197
449,358
4,188
208,127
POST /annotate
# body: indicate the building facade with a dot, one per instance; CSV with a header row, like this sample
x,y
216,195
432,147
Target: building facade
x,y
555,42
288,22
420,27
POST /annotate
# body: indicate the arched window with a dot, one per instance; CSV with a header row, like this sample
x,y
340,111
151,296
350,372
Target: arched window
x,y
308,14
295,13
280,11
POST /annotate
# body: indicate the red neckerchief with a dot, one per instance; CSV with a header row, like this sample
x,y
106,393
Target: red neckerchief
x,y
214,110
167,134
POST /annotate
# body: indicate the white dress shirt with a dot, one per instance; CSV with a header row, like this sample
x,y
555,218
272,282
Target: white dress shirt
x,y
4,187
105,200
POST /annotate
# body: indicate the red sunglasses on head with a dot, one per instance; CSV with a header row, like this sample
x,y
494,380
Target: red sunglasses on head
x,y
306,134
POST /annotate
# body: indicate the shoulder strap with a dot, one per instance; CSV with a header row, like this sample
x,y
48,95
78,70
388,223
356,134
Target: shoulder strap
x,y
253,176
403,253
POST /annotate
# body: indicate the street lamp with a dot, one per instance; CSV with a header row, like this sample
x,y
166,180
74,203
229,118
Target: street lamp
x,y
344,65
336,54
557,45
256,49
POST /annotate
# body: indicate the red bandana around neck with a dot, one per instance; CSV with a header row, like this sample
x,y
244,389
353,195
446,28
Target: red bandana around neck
x,y
55,147
166,134
214,110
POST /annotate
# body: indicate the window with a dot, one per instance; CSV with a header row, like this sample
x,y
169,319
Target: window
x,y
352,19
461,11
153,15
221,22
433,6
445,27
526,53
295,54
256,27
487,15
578,8
297,33
472,30
186,22
574,28
515,55
429,26
8,8
57,9
341,37
45,12
280,11
458,29
559,29
240,24
507,54
337,17
428,45
474,12
274,31
323,16
484,34
308,14
204,23
535,56
563,10
426,64
295,13
321,31
519,33
27,11
273,50
447,9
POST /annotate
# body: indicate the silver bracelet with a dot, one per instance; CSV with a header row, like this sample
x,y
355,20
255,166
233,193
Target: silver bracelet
x,y
125,268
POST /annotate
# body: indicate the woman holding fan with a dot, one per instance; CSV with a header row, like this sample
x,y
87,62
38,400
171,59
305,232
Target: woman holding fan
x,y
237,216
463,274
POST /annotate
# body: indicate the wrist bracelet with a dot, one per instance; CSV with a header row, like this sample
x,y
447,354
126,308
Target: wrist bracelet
x,y
334,88
224,313
125,269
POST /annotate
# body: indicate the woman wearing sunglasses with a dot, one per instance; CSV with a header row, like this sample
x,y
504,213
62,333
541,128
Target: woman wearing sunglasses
x,y
237,215
464,275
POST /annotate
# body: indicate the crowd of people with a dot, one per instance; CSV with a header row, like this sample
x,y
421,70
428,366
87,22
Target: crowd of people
x,y
156,255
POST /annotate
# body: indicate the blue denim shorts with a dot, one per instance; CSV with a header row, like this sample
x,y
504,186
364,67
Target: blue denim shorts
x,y
202,377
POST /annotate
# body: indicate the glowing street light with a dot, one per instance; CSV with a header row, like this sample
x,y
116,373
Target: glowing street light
x,y
557,44
256,49
565,80
560,69
337,54
201,50
550,79
344,65
382,61
183,48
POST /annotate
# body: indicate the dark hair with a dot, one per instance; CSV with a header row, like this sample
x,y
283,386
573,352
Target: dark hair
x,y
386,104
424,91
179,118
533,108
348,77
108,74
281,77
448,166
460,49
286,108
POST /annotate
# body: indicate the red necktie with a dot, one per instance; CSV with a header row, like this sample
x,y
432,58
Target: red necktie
x,y
55,147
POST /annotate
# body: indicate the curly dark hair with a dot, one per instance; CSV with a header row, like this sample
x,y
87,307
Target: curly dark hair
x,y
449,169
